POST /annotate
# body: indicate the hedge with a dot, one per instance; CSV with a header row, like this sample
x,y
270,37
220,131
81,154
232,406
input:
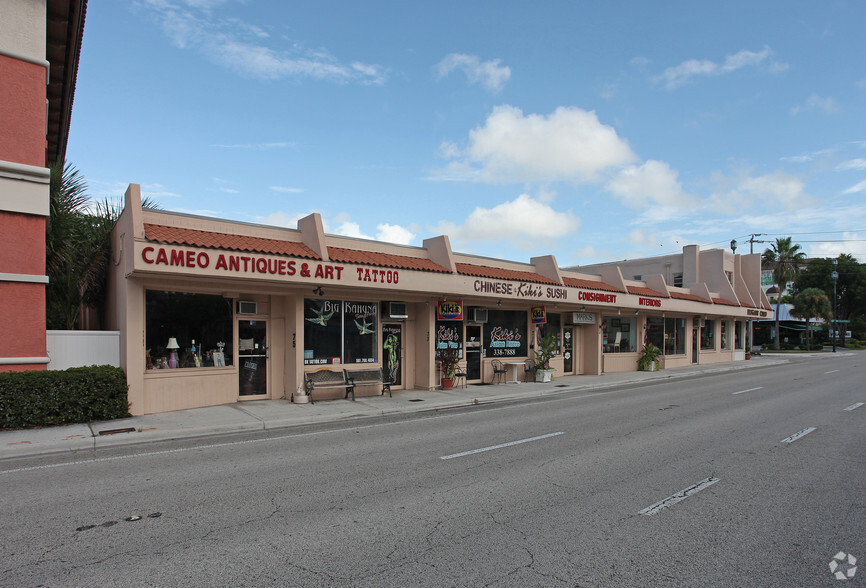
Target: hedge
x,y
47,398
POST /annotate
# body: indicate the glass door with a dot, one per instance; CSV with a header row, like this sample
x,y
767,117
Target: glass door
x,y
568,350
392,353
473,353
252,358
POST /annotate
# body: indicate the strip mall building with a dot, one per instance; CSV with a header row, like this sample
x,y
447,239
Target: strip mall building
x,y
212,311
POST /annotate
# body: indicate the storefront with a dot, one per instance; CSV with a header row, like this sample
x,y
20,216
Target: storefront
x,y
213,312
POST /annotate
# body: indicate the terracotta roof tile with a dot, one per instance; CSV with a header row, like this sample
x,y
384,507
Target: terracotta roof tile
x,y
684,296
196,238
342,255
484,271
641,291
725,302
589,284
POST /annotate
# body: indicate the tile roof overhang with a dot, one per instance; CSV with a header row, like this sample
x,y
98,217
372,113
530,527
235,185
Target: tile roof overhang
x,y
684,296
484,271
342,255
196,238
589,284
640,291
725,302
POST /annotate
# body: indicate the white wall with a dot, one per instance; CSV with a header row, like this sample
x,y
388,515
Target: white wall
x,y
68,349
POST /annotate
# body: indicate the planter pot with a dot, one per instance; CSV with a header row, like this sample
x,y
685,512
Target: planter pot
x,y
748,356
447,383
543,375
300,399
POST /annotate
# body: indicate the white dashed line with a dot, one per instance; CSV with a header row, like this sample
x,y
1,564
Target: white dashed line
x,y
492,447
749,390
854,406
678,497
799,435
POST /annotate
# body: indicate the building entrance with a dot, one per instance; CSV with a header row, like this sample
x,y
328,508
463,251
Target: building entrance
x,y
252,358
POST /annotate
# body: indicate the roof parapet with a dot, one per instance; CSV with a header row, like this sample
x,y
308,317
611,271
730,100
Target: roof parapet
x,y
546,266
313,235
439,251
132,203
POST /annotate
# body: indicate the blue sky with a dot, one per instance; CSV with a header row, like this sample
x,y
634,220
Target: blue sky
x,y
593,131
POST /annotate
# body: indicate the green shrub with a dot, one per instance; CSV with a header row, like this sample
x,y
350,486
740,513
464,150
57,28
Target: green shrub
x,y
77,395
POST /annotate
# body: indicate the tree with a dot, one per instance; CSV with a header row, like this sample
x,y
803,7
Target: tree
x,y
811,303
850,287
77,247
784,259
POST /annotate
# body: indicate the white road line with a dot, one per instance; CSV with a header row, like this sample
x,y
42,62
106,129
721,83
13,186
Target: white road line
x,y
492,447
678,497
799,435
855,405
749,390
831,372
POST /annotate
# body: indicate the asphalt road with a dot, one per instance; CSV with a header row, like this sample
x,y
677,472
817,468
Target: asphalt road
x,y
698,482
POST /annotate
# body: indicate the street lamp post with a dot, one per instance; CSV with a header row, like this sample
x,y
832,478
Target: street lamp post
x,y
835,276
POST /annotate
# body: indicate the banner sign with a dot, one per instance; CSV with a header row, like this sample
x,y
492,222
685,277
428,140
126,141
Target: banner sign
x,y
449,310
539,315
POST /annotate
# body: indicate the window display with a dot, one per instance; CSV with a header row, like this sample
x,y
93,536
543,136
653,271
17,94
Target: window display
x,y
618,334
708,335
675,336
184,330
338,331
505,333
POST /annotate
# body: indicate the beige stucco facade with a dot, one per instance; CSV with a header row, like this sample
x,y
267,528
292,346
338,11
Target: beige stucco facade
x,y
288,272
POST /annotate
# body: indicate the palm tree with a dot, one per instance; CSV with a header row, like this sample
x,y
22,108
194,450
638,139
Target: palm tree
x,y
785,259
77,247
811,302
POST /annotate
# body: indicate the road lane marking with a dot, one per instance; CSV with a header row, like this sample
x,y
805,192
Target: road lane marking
x,y
678,497
853,406
831,372
749,390
799,435
500,446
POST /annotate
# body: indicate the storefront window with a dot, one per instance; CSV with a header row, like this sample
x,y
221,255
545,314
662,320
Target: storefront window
x,y
618,334
505,334
449,335
553,325
675,336
726,334
708,335
655,331
200,325
338,331
738,334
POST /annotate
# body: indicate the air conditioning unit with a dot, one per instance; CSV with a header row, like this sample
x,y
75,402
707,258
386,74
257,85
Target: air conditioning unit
x,y
477,315
396,310
247,307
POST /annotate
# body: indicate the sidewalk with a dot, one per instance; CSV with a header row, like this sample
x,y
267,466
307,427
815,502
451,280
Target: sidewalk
x,y
260,415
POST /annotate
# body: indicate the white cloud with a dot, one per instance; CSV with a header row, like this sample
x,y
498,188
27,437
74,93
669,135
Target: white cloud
x,y
852,164
282,219
394,234
569,144
678,75
286,189
487,73
814,102
856,188
239,46
652,188
523,222
774,192
351,229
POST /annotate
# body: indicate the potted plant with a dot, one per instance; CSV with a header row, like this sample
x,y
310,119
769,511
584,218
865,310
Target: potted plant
x,y
546,350
448,358
649,358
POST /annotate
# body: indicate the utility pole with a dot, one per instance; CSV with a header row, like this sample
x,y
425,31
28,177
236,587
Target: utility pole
x,y
752,242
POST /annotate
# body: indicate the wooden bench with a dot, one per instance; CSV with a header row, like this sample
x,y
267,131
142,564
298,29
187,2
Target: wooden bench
x,y
326,378
368,378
